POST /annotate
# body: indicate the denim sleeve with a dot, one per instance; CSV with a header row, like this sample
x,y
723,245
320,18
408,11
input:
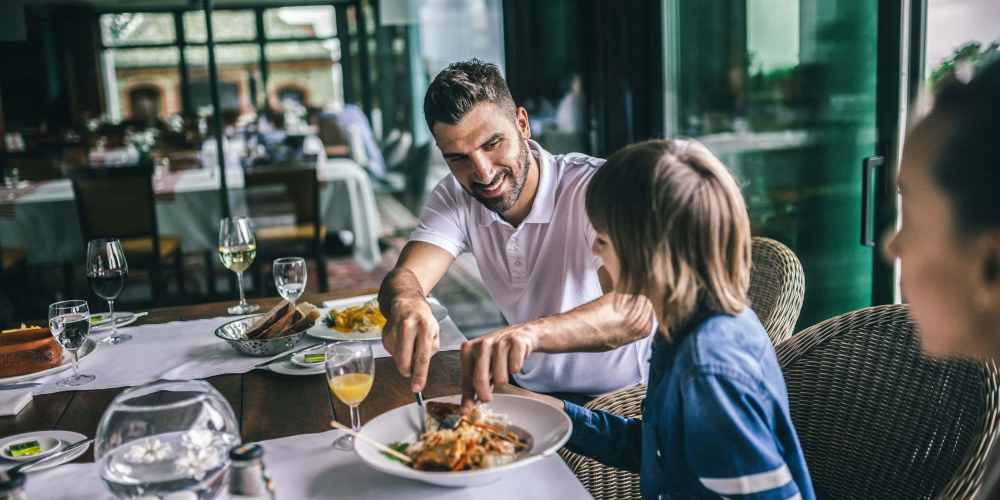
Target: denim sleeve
x,y
728,439
607,438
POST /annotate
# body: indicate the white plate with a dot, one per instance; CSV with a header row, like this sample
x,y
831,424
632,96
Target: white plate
x,y
66,437
289,368
321,331
103,322
550,428
67,362
48,444
299,358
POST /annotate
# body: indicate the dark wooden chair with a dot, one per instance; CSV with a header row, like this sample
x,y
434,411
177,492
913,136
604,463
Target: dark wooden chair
x,y
284,203
119,203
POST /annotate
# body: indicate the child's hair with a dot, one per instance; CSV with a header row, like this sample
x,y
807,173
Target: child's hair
x,y
679,226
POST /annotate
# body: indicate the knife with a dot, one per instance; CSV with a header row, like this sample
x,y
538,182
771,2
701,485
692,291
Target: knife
x,y
423,411
31,465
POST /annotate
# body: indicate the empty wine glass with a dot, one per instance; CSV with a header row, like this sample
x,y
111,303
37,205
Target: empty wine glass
x,y
106,271
350,373
159,439
237,249
290,277
69,322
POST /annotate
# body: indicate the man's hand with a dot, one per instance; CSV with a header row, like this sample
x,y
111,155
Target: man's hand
x,y
491,359
412,337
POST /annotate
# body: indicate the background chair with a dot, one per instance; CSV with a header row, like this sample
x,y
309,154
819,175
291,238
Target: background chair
x,y
119,203
777,286
877,419
284,203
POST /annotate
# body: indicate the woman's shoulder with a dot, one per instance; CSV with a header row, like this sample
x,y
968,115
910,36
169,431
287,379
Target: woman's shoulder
x,y
728,345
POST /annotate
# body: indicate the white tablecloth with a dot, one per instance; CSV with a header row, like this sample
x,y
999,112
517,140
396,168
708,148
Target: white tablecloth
x,y
306,467
44,221
183,350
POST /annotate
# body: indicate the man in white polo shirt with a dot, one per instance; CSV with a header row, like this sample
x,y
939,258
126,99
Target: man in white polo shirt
x,y
520,212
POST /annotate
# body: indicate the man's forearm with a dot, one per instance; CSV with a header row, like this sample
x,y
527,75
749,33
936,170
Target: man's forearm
x,y
399,283
606,323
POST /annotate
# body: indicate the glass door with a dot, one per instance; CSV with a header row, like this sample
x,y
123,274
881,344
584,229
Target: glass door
x,y
787,93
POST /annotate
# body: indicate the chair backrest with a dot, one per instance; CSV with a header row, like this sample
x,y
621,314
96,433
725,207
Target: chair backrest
x,y
877,419
777,286
115,203
276,190
604,481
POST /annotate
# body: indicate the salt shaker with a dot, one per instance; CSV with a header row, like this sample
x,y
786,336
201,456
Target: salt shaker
x,y
12,486
248,479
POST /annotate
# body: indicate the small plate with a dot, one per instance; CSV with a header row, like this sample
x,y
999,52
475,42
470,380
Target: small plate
x,y
67,361
48,444
66,437
321,331
102,321
289,368
299,357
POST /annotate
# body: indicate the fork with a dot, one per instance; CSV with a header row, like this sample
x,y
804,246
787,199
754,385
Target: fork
x,y
423,411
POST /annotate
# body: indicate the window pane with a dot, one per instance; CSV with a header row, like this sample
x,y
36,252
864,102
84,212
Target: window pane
x,y
306,72
289,22
137,28
144,84
238,77
227,25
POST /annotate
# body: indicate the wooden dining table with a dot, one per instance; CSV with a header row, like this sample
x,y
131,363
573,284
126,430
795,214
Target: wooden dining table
x,y
267,405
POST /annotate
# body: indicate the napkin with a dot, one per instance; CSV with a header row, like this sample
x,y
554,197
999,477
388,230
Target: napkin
x,y
12,402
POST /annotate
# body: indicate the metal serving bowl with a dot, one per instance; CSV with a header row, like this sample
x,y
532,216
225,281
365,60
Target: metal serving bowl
x,y
235,333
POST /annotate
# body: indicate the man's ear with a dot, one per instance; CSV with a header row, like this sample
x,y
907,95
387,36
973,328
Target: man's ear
x,y
521,120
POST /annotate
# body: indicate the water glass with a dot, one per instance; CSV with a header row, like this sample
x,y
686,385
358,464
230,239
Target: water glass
x,y
106,272
165,438
237,249
290,277
350,373
69,322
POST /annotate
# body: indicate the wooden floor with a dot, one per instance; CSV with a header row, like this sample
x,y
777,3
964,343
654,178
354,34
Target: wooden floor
x,y
267,405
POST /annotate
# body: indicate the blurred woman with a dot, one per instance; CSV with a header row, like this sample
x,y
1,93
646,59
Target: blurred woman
x,y
949,241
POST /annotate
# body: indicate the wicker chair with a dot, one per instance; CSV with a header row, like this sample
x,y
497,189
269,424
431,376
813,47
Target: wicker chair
x,y
878,420
777,285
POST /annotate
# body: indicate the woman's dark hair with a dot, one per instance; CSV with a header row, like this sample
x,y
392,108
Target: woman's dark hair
x,y
460,87
966,166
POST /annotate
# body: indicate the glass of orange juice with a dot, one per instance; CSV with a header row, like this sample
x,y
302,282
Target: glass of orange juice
x,y
350,371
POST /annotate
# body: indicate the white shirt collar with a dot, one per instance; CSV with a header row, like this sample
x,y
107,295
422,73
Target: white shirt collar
x,y
545,196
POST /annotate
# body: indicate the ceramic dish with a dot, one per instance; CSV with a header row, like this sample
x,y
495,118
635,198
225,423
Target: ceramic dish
x,y
66,437
549,428
321,331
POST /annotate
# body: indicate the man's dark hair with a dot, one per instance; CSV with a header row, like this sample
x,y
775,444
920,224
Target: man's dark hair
x,y
968,164
460,87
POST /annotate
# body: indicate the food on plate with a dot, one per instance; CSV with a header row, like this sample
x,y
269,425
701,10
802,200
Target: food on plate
x,y
25,449
284,319
455,442
362,318
28,349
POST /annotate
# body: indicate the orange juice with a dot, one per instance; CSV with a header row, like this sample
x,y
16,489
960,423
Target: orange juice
x,y
351,388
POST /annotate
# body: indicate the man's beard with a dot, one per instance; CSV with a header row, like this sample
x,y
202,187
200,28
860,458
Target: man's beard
x,y
507,201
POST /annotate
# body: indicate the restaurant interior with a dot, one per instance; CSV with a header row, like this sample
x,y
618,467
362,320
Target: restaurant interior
x,y
176,164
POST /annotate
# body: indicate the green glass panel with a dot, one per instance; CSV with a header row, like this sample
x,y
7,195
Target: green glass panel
x,y
227,25
783,91
307,21
137,28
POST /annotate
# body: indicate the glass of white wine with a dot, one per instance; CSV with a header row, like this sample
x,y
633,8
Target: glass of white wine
x,y
290,277
237,249
350,372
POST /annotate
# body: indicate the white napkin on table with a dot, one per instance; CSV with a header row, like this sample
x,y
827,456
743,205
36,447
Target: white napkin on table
x,y
12,402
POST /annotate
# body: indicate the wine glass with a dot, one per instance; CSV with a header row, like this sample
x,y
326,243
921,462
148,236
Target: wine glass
x,y
166,437
350,372
237,249
106,272
290,277
69,322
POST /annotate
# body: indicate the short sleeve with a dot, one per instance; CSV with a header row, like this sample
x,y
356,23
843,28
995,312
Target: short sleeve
x,y
442,221
728,441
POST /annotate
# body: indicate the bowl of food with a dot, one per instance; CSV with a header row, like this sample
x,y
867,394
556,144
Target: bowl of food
x,y
509,432
360,320
271,333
